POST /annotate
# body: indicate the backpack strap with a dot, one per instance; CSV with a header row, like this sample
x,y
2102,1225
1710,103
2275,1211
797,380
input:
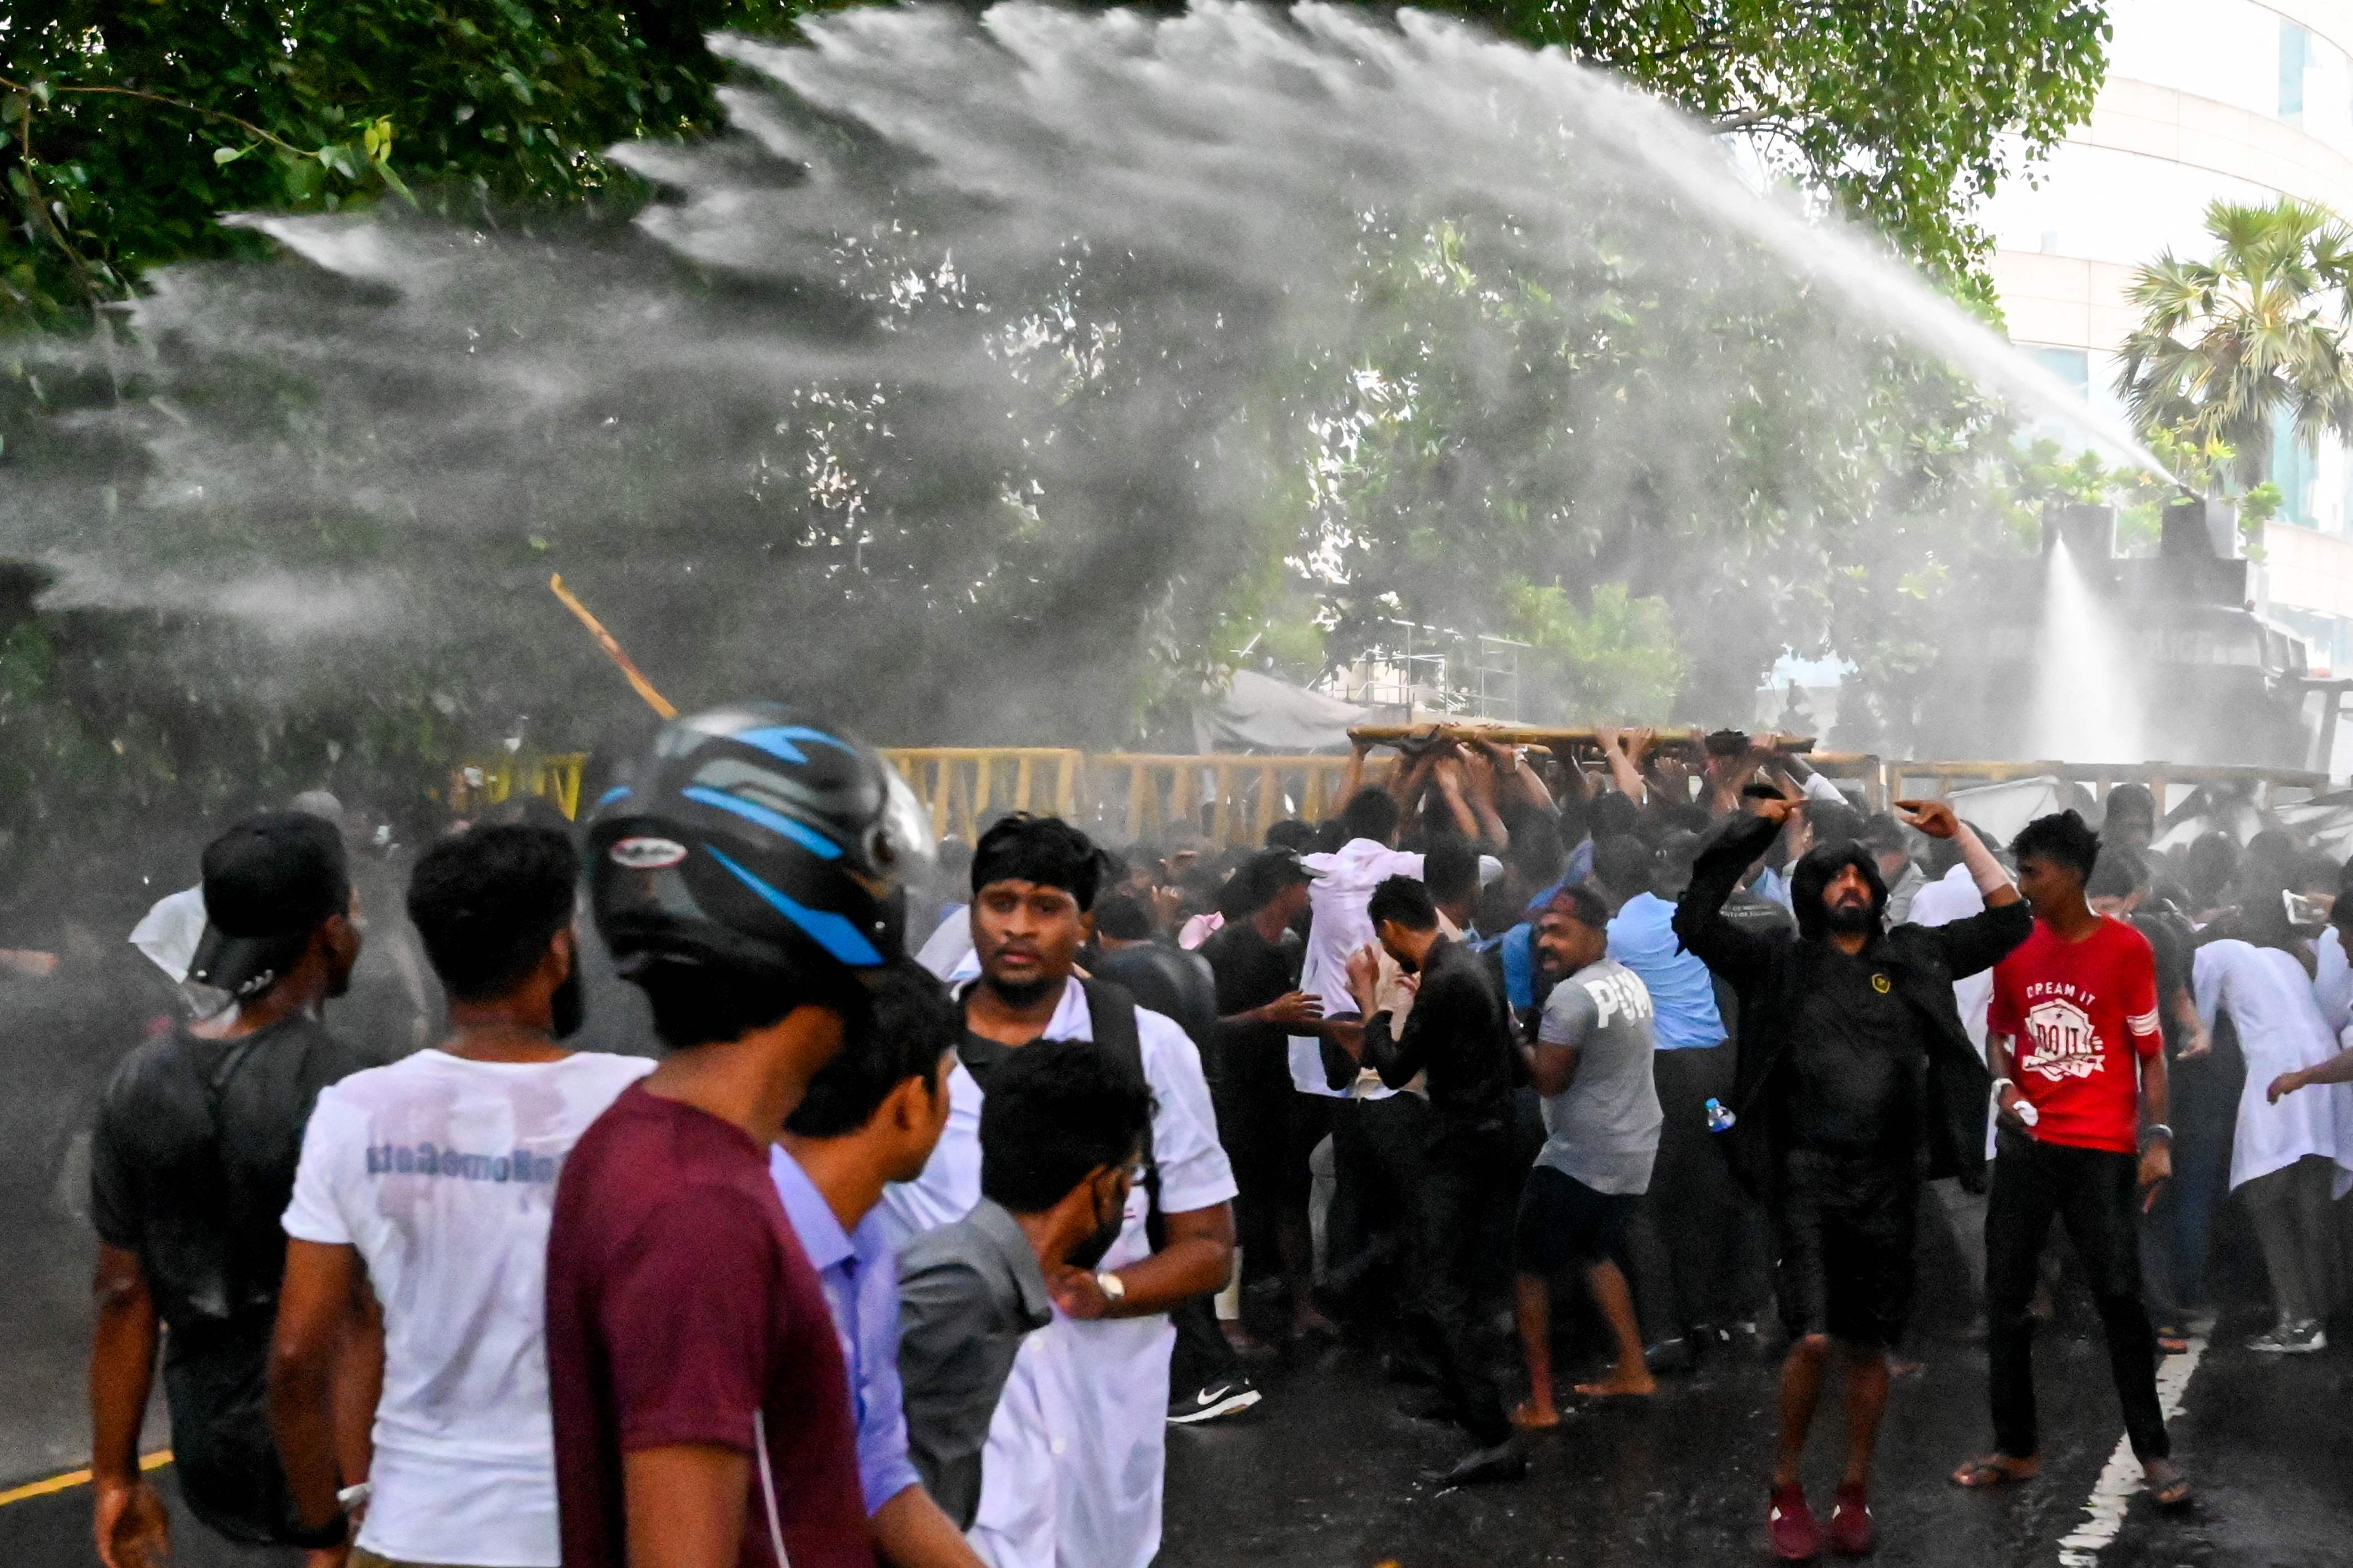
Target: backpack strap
x,y
1111,1014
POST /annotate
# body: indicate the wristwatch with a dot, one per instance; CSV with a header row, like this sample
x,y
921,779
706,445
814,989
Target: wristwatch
x,y
1113,1288
2156,1129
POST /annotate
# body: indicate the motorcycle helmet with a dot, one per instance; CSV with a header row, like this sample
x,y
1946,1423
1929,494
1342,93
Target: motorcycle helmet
x,y
759,839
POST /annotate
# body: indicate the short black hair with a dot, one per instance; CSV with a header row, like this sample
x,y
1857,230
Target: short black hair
x,y
707,1004
1884,834
1291,833
911,1023
486,903
1625,864
1404,900
2129,799
1123,918
1045,851
1611,814
1534,849
2119,874
1055,1111
1449,868
1579,904
2064,838
1371,813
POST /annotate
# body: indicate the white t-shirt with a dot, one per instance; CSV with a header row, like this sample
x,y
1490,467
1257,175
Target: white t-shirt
x,y
1336,929
2280,1029
1071,1476
441,1172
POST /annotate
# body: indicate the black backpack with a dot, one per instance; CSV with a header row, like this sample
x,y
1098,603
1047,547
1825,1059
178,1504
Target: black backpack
x,y
1111,1014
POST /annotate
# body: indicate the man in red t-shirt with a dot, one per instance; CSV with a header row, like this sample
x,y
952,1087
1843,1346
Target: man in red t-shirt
x,y
746,880
2078,1060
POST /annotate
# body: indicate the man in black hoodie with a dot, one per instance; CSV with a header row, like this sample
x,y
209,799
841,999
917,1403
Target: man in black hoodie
x,y
1855,1082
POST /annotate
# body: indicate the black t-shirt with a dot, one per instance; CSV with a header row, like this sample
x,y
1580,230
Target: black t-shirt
x,y
192,1164
1252,971
1860,1062
2172,941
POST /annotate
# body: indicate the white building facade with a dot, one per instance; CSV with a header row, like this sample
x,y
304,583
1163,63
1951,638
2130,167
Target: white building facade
x,y
2204,100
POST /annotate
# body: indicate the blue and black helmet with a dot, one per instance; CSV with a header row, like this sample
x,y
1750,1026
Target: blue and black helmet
x,y
758,838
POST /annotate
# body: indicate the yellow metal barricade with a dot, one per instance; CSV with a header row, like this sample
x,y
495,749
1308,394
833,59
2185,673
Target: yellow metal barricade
x,y
478,786
961,783
1142,796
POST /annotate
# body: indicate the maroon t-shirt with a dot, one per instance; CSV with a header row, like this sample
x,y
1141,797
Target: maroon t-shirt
x,y
679,1308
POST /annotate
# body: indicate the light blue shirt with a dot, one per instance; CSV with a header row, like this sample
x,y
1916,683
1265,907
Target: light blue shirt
x,y
860,1278
1683,993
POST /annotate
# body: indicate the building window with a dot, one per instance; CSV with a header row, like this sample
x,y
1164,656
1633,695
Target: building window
x,y
2293,467
2294,57
2070,367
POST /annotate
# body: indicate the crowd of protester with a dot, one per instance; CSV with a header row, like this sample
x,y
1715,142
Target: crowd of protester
x,y
915,1190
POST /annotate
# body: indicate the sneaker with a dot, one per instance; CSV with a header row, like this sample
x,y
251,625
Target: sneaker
x,y
1795,1537
1226,1397
1852,1533
2291,1339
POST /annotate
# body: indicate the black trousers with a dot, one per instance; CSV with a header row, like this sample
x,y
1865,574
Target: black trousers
x,y
1379,1153
1268,1129
1463,1180
1699,1250
2092,1192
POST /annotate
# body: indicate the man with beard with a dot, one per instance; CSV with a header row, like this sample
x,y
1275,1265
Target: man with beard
x,y
1075,1458
1591,1063
191,1163
1855,1082
426,1189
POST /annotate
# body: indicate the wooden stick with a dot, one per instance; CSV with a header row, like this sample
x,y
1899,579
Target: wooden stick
x,y
613,650
1529,735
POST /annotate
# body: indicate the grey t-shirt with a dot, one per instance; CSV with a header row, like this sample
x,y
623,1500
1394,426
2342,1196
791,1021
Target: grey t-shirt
x,y
1604,1126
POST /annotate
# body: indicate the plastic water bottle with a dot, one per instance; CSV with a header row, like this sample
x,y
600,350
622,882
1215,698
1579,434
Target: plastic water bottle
x,y
1719,1118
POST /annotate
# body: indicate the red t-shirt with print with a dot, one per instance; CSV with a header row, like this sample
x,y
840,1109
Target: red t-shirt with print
x,y
2079,1016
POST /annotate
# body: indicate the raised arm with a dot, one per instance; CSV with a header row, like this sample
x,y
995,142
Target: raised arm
x,y
1983,940
1622,750
1739,956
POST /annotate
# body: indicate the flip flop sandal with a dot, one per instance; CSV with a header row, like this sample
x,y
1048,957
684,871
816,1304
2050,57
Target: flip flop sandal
x,y
1989,1471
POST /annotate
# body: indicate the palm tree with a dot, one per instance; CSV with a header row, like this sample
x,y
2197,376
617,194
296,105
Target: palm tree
x,y
2226,347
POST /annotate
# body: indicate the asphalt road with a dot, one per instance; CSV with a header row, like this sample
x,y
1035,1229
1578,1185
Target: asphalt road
x,y
1326,1474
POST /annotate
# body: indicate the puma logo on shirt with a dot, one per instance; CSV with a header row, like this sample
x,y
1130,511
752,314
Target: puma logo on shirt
x,y
1619,996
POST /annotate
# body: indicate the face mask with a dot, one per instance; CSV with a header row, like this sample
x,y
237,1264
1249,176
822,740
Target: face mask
x,y
1089,1252
568,1006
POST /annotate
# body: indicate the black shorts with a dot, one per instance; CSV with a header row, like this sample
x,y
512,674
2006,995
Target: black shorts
x,y
1843,1225
1563,1222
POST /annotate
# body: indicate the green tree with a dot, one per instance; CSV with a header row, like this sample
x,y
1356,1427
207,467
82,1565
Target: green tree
x,y
1910,114
2230,345
131,127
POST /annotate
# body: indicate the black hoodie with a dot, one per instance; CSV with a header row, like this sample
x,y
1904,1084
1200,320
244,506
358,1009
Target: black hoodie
x,y
1772,974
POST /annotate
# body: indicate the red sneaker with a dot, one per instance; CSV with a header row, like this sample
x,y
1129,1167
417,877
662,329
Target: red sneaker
x,y
1851,1531
1795,1537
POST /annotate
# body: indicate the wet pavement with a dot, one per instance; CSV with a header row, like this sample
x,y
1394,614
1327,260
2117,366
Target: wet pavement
x,y
1325,1474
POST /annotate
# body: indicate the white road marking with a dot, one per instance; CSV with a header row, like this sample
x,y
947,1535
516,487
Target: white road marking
x,y
2121,1476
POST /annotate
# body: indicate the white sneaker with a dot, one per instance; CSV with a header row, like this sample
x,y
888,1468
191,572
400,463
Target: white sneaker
x,y
2291,1339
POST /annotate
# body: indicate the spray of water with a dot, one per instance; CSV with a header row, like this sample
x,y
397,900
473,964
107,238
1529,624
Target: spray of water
x,y
992,362
2085,698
